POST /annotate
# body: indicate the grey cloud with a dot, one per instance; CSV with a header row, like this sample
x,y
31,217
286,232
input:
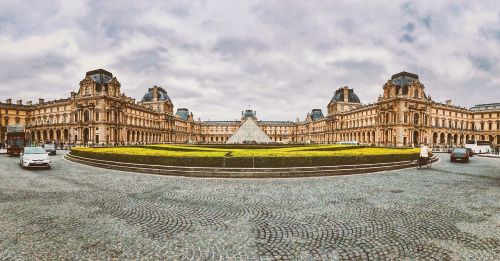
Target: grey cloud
x,y
146,60
237,47
407,38
409,27
271,54
180,13
483,63
365,68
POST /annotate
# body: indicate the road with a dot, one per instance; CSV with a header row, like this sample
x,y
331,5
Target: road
x,y
448,212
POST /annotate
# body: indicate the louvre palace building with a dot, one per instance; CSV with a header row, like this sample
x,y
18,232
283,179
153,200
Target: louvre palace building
x,y
99,113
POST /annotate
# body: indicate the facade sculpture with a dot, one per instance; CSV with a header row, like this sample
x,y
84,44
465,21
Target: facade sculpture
x,y
100,114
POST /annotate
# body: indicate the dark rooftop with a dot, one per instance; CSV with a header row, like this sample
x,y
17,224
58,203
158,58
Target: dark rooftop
x,y
351,96
99,71
406,74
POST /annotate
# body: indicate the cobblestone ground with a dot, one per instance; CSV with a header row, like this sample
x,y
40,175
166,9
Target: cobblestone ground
x,y
449,212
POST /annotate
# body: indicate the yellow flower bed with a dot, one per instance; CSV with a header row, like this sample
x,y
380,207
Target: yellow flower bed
x,y
288,151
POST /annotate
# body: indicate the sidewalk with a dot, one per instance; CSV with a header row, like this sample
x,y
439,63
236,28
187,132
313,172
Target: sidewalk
x,y
488,155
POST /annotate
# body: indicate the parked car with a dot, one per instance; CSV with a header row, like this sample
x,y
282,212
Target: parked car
x,y
459,154
35,157
450,149
50,148
470,152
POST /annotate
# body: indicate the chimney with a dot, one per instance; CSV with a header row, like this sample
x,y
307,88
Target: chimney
x,y
9,101
346,93
29,103
41,101
448,102
19,102
73,94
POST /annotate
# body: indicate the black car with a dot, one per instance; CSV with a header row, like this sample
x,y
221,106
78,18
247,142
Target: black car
x,y
50,148
470,152
459,154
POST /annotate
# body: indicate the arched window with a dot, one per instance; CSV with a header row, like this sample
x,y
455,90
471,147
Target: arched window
x,y
86,116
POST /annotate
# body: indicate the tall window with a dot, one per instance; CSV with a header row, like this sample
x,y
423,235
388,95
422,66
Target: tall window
x,y
86,116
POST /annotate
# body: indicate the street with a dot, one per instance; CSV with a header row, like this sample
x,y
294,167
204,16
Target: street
x,y
451,211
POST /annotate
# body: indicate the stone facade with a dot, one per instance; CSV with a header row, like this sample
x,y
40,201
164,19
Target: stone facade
x,y
404,115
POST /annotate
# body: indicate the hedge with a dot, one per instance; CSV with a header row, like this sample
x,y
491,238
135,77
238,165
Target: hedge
x,y
245,162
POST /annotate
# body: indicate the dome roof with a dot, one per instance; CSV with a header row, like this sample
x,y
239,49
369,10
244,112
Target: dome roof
x,y
404,78
248,114
156,92
316,114
100,76
351,96
183,113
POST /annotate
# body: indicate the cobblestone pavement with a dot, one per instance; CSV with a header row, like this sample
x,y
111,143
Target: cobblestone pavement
x,y
73,211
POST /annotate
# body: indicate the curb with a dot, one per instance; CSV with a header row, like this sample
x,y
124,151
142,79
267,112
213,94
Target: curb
x,y
488,156
208,172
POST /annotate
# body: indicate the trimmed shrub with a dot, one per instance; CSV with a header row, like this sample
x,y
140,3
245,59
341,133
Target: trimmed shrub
x,y
245,162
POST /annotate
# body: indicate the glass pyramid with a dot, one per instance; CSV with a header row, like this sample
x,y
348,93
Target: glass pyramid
x,y
249,133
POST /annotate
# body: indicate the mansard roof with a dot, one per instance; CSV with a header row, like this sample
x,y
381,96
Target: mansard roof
x,y
183,113
100,76
161,95
351,96
316,114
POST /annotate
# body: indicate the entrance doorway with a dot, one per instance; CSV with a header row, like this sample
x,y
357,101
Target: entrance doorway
x,y
86,134
416,140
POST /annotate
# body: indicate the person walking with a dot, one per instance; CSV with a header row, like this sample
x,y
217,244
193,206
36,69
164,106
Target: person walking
x,y
424,155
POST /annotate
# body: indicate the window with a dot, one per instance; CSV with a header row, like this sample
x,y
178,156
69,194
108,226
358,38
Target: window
x,y
86,116
482,126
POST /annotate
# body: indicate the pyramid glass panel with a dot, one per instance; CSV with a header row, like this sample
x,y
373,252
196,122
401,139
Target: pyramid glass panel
x,y
248,133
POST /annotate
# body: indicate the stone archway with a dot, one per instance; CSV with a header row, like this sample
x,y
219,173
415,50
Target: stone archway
x,y
86,136
66,134
442,139
51,135
416,138
58,135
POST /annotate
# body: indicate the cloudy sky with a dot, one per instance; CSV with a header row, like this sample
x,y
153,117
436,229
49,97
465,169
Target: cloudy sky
x,y
282,58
